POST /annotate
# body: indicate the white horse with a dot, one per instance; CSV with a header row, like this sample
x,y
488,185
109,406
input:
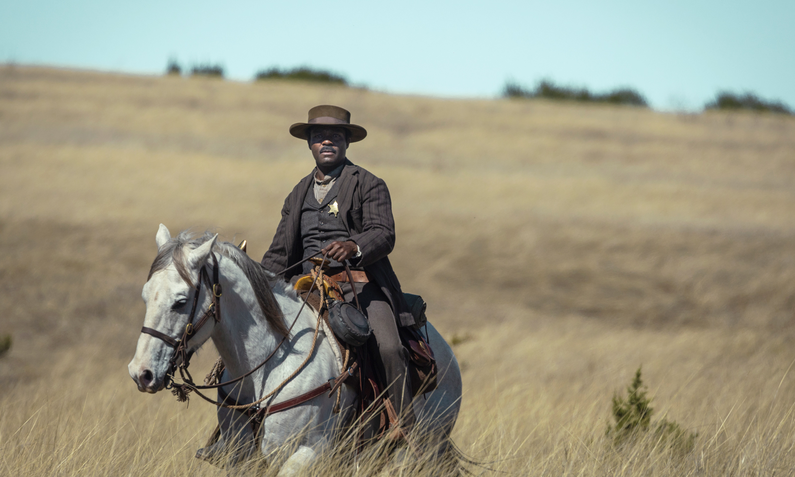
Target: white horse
x,y
256,311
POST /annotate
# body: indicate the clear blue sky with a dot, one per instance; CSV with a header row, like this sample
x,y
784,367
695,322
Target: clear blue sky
x,y
677,53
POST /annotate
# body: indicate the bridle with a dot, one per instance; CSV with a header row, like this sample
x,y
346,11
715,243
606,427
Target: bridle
x,y
182,353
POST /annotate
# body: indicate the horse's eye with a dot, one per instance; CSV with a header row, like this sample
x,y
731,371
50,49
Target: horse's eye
x,y
179,303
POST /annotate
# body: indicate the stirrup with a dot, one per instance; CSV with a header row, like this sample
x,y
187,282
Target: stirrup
x,y
396,433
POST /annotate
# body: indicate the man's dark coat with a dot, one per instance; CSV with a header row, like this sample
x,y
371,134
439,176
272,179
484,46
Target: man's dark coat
x,y
366,210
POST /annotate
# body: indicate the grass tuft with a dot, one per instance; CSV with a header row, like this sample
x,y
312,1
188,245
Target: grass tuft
x,y
632,416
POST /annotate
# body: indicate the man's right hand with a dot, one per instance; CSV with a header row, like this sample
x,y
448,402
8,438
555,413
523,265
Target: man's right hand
x,y
341,251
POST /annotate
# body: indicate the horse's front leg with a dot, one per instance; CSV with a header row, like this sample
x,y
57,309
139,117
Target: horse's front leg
x,y
237,441
297,463
292,440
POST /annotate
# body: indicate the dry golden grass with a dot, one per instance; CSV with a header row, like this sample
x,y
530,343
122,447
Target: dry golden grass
x,y
559,245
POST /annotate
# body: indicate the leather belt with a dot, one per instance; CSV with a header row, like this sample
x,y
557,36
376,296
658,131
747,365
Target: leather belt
x,y
359,276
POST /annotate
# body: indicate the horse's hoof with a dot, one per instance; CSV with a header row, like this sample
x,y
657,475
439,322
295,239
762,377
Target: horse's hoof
x,y
212,454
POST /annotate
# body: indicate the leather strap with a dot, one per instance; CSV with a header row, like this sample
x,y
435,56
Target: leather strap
x,y
217,290
290,403
358,276
353,288
202,275
169,340
278,407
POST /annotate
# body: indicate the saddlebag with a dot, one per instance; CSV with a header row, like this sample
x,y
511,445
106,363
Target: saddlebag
x,y
422,364
417,306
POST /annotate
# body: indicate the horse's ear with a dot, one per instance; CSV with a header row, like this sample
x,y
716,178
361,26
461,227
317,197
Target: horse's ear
x,y
163,236
200,254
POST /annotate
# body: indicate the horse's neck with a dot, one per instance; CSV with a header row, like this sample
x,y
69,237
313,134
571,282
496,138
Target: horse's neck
x,y
243,337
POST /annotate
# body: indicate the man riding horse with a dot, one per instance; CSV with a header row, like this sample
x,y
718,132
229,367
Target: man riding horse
x,y
345,212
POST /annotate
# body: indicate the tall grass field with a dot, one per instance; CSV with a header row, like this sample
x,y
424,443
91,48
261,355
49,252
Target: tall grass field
x,y
560,248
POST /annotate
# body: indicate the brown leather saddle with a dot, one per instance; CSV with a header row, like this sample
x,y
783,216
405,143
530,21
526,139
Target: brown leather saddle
x,y
422,363
319,291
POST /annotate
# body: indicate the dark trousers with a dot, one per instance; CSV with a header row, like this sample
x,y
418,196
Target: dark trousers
x,y
386,348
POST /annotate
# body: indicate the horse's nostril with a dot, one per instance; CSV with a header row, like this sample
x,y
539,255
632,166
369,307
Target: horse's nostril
x,y
146,377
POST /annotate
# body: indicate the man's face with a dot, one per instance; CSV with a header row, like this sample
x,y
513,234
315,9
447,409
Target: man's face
x,y
328,145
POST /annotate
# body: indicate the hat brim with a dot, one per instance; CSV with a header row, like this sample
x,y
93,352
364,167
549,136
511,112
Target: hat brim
x,y
357,132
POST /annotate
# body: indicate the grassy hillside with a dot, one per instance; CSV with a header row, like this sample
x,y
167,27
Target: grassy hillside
x,y
560,245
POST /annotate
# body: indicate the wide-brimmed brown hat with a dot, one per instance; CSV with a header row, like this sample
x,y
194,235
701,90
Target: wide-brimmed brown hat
x,y
327,115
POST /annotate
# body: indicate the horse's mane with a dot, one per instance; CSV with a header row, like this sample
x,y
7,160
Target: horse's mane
x,y
175,250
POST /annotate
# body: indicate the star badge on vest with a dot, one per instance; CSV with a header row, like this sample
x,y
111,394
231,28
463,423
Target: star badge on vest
x,y
333,208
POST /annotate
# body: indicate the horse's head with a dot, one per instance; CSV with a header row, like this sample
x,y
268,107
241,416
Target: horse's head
x,y
173,286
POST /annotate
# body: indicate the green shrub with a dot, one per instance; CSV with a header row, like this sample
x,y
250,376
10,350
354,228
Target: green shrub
x,y
633,413
5,344
624,96
209,70
302,73
515,90
632,416
173,68
748,101
546,89
673,436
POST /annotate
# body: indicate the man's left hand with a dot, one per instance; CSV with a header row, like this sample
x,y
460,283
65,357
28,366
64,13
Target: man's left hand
x,y
341,251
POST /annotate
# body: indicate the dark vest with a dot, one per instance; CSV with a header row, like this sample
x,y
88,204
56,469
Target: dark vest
x,y
320,227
